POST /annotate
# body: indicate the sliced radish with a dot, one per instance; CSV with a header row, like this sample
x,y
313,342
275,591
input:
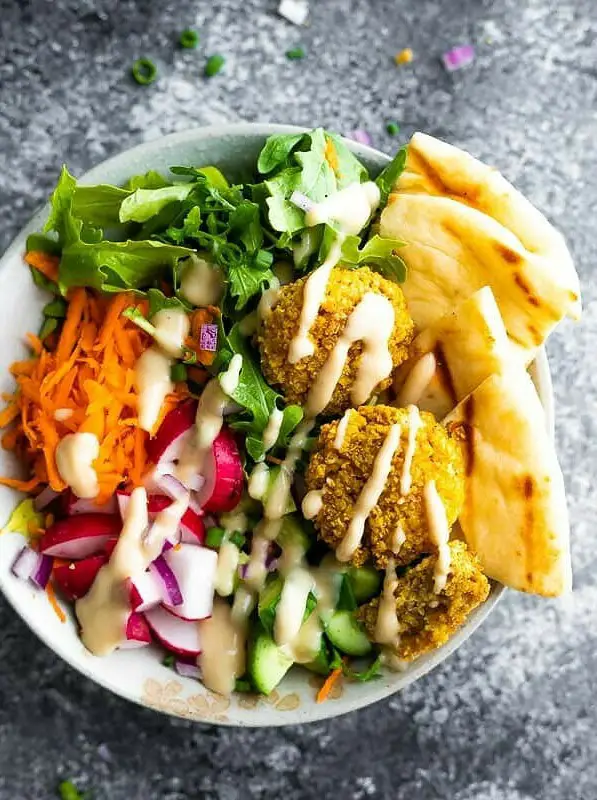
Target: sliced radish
x,y
177,635
172,434
145,592
223,475
195,571
79,505
138,632
44,498
192,528
170,486
165,577
76,578
80,536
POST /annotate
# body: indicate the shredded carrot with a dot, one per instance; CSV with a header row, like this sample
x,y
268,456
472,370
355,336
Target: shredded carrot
x,y
273,460
330,681
54,602
44,263
8,414
35,343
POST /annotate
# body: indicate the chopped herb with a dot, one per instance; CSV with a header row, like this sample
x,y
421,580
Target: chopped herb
x,y
295,53
243,686
393,128
178,373
189,39
215,537
144,71
214,65
237,538
169,660
68,791
368,674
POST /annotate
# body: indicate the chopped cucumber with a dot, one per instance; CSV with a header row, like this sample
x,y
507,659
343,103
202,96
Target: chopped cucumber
x,y
269,597
267,664
273,475
293,534
346,633
346,599
366,583
321,663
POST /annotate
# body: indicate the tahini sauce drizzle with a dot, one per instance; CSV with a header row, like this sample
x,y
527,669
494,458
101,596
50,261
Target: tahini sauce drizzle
x,y
370,494
291,606
229,554
417,381
387,626
105,609
258,481
201,282
312,503
75,455
398,539
414,423
341,430
350,208
439,532
272,429
223,642
371,323
152,370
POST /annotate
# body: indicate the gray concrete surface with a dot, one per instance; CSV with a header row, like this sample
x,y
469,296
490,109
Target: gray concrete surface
x,y
512,716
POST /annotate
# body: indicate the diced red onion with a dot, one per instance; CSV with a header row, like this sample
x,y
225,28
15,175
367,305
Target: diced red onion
x,y
458,57
26,564
41,576
170,486
208,337
301,201
361,136
187,669
163,573
44,498
295,11
174,450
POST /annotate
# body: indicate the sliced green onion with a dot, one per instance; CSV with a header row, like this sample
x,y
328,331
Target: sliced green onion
x,y
178,373
215,537
189,39
168,660
68,791
393,128
237,538
55,308
214,65
49,326
144,71
295,53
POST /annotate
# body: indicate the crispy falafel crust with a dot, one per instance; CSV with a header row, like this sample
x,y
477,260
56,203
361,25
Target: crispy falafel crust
x,y
427,620
341,475
345,289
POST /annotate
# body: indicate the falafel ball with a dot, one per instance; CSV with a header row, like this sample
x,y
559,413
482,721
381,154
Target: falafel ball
x,y
427,620
341,473
345,289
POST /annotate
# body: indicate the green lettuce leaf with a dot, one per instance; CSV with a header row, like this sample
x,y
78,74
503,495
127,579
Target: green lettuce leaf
x,y
349,169
149,180
143,204
379,254
388,177
98,205
276,151
23,514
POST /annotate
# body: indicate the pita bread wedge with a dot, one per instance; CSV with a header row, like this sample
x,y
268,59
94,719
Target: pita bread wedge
x,y
514,516
455,355
466,227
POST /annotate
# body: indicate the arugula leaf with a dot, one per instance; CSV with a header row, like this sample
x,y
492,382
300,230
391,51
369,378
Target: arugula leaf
x,y
378,253
246,281
149,180
349,169
143,204
114,266
388,177
276,151
245,223
369,673
98,205
212,174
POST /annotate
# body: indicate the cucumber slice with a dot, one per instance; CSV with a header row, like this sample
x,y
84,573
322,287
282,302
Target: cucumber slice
x,y
366,583
273,476
345,633
293,534
269,597
267,665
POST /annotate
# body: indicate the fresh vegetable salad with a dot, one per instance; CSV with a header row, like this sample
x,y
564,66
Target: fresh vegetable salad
x,y
241,442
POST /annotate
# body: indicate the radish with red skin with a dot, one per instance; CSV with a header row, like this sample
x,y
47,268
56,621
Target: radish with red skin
x,y
71,505
170,438
224,476
75,579
191,524
194,569
138,632
145,593
177,635
80,536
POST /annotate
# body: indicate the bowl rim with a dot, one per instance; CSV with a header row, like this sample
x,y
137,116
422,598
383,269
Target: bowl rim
x,y
539,369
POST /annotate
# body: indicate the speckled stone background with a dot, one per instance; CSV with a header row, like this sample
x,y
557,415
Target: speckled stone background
x,y
513,715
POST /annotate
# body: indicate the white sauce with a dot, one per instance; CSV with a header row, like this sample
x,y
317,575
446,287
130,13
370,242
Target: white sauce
x,y
312,504
75,455
105,609
272,429
387,626
201,282
62,414
439,532
417,381
228,558
291,606
341,430
242,605
371,323
398,539
152,371
256,568
223,642
414,423
258,481
370,494
349,209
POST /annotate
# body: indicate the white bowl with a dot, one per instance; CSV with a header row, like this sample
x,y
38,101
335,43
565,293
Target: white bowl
x,y
138,675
